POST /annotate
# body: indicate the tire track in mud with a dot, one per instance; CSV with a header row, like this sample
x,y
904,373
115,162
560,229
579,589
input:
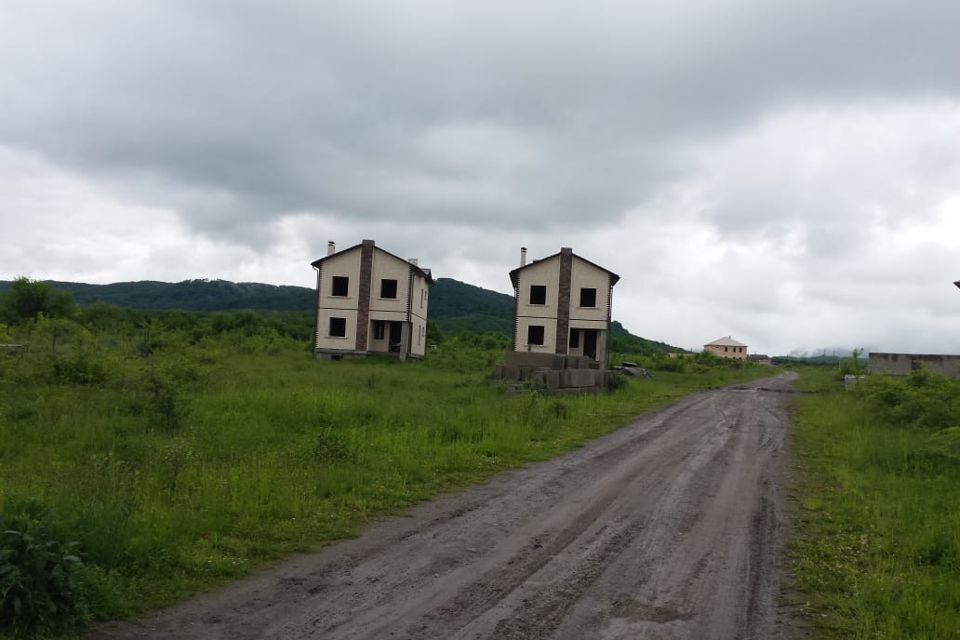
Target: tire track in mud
x,y
671,527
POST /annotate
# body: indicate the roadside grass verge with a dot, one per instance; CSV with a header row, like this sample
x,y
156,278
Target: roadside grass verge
x,y
876,551
182,465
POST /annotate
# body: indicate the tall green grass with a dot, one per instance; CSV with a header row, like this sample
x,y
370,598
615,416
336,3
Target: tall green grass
x,y
877,547
178,462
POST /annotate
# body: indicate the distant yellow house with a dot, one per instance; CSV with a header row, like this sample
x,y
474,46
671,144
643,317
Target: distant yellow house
x,y
727,347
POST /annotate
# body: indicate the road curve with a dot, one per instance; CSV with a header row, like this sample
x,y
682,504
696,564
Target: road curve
x,y
672,527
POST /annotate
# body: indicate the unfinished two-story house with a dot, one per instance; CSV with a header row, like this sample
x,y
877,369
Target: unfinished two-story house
x,y
369,301
562,305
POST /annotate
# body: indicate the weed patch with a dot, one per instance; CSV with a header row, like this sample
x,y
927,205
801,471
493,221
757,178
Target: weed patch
x,y
877,545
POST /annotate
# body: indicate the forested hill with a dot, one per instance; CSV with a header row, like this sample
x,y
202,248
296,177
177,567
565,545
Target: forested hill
x,y
455,306
190,295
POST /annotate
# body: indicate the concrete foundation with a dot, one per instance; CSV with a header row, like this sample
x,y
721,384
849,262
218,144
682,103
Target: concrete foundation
x,y
554,373
321,354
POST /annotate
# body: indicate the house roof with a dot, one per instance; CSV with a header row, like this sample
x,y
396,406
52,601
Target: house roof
x,y
426,273
725,342
516,272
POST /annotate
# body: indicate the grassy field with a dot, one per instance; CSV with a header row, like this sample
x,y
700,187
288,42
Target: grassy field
x,y
877,546
179,461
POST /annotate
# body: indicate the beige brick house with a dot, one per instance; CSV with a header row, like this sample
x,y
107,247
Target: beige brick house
x,y
369,301
727,347
562,305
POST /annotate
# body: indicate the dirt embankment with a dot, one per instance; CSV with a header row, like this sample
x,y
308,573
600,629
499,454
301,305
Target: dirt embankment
x,y
671,527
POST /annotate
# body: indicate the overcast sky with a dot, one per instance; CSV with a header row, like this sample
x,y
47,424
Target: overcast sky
x,y
785,172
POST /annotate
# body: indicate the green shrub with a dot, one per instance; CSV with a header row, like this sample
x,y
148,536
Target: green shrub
x,y
330,445
37,587
921,400
80,367
168,407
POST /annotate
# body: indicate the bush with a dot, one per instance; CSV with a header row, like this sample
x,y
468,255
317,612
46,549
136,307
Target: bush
x,y
921,400
169,409
78,368
37,587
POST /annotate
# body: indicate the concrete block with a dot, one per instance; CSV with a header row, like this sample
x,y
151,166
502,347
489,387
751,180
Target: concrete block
x,y
551,378
578,378
530,360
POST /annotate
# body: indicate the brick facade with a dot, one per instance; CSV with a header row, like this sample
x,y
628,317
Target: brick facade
x,y
563,299
363,297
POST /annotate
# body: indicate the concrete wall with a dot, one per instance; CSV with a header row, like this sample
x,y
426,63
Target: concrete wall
x,y
386,266
587,276
549,334
419,303
546,273
901,364
325,340
346,264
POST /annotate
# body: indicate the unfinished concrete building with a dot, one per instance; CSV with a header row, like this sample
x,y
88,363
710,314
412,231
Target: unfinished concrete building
x,y
370,301
562,305
561,318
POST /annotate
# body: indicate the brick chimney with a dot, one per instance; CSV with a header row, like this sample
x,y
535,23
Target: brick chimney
x,y
331,247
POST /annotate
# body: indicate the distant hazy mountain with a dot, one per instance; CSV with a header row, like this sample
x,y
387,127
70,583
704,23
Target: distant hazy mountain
x,y
455,306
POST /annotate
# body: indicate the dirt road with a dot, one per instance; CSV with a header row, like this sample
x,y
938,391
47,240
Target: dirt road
x,y
671,527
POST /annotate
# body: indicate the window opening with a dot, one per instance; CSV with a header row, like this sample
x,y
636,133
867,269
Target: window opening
x,y
535,334
341,286
338,327
388,288
588,297
538,294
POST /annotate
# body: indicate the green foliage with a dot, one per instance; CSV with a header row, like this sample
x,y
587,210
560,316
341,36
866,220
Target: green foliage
x,y
168,408
330,444
622,341
922,400
193,295
37,586
80,367
28,299
877,549
855,365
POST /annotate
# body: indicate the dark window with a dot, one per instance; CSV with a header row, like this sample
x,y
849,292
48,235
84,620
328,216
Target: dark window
x,y
379,329
388,288
341,286
338,327
538,294
574,338
535,334
588,297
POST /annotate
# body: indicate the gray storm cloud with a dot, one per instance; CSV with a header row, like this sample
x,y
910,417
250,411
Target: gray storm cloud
x,y
535,113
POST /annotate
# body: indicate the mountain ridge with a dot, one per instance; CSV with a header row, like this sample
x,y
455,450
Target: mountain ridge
x,y
455,306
